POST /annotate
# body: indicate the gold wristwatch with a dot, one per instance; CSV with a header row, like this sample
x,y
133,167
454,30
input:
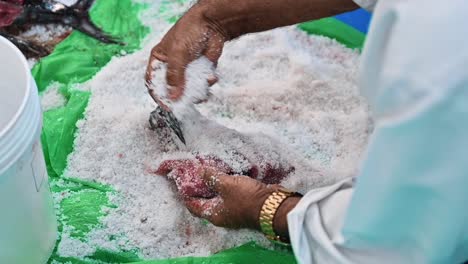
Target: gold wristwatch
x,y
268,211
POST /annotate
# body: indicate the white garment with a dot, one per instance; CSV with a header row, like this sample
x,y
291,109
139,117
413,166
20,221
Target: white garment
x,y
315,229
409,202
367,4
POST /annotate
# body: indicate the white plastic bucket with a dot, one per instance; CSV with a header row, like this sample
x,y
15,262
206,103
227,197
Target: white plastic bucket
x,y
28,227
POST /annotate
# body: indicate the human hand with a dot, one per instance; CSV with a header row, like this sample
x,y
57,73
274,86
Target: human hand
x,y
225,200
190,38
203,30
237,202
186,175
211,193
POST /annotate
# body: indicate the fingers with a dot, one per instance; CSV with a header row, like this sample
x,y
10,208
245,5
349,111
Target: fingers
x,y
157,53
213,179
178,59
214,162
213,52
214,48
219,181
204,208
175,76
169,165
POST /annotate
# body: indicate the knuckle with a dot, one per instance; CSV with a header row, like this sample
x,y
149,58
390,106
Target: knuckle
x,y
158,49
158,53
155,50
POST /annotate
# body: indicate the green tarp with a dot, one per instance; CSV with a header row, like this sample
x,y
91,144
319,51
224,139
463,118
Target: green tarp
x,y
77,59
333,28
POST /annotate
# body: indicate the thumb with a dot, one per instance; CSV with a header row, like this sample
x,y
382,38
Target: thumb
x,y
169,165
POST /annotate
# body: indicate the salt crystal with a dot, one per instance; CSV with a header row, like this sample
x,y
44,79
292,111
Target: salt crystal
x,y
45,33
72,247
52,98
196,86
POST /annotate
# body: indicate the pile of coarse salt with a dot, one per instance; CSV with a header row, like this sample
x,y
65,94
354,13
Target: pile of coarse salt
x,y
282,96
45,33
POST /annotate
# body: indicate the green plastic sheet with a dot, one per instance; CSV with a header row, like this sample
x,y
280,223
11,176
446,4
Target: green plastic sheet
x,y
335,29
59,131
76,60
79,57
248,253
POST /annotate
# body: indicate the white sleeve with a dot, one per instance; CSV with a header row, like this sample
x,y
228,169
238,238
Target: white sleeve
x,y
410,196
315,228
315,223
366,4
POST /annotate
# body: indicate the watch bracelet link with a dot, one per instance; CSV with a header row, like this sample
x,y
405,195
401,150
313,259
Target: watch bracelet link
x,y
268,212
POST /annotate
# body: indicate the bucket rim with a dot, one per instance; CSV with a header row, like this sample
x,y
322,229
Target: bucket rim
x,y
20,110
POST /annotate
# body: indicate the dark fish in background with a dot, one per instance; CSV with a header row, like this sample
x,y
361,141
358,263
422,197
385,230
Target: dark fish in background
x,y
15,14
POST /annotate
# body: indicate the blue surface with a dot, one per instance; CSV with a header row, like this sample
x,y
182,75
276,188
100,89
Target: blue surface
x,y
358,19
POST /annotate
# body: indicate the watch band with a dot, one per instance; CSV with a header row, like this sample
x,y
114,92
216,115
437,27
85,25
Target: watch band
x,y
268,212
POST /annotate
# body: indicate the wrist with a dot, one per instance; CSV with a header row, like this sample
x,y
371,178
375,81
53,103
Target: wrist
x,y
273,214
280,221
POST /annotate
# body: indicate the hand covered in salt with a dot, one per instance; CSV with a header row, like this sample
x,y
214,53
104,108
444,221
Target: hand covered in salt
x,y
253,155
186,175
237,199
193,35
196,89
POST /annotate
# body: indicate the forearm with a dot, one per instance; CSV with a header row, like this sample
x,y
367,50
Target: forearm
x,y
238,17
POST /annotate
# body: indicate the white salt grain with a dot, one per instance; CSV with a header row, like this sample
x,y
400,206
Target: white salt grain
x,y
68,2
72,247
282,97
52,98
31,62
196,87
45,33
